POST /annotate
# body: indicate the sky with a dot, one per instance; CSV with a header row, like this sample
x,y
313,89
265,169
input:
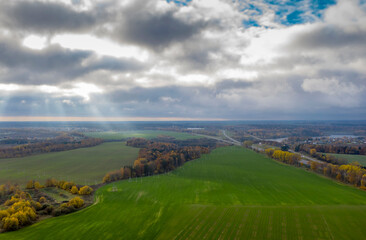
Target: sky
x,y
188,60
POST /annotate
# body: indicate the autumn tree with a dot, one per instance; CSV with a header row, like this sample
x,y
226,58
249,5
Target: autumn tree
x,y
312,152
37,185
314,165
86,190
107,178
51,182
74,190
363,182
42,200
10,223
76,202
30,184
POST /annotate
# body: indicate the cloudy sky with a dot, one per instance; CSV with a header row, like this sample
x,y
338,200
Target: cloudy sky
x,y
199,59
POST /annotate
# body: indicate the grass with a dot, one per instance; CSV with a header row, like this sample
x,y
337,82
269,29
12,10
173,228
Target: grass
x,y
83,166
58,194
232,193
142,134
361,159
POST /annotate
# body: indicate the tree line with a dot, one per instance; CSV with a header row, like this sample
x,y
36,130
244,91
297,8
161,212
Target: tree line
x,y
346,173
330,148
67,186
46,147
322,156
155,158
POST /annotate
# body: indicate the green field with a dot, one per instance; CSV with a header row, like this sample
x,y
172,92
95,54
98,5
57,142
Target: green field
x,y
361,159
142,134
83,165
232,193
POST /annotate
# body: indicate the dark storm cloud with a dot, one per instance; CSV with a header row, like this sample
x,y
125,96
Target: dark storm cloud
x,y
53,58
157,30
55,64
115,64
194,55
166,101
44,17
139,24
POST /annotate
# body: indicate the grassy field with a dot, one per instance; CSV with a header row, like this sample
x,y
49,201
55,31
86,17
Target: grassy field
x,y
58,194
142,134
232,193
361,159
83,166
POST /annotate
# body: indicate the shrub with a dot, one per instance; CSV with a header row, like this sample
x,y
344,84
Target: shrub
x,y
3,214
37,185
30,184
10,223
76,202
86,190
74,190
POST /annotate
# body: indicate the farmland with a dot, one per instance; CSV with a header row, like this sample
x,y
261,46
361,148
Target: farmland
x,y
232,193
83,166
141,134
361,159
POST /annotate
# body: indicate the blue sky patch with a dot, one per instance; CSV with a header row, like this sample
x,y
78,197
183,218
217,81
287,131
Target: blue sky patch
x,y
180,2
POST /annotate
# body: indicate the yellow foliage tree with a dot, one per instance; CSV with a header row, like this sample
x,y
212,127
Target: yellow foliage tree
x,y
312,151
74,190
86,190
107,178
37,185
30,184
76,202
10,223
3,214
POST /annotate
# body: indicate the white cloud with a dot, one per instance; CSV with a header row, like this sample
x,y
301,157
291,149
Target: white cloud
x,y
99,46
35,42
235,73
348,15
169,99
80,89
9,87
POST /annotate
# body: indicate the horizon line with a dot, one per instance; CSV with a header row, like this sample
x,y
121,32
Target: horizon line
x,y
102,119
141,119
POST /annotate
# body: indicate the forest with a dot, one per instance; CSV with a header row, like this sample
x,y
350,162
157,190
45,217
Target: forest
x,y
46,147
155,158
330,148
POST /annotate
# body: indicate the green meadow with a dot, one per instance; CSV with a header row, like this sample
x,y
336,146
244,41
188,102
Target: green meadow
x,y
141,134
83,165
231,193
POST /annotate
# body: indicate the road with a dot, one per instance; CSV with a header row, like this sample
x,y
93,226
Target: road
x,y
227,140
231,139
305,159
